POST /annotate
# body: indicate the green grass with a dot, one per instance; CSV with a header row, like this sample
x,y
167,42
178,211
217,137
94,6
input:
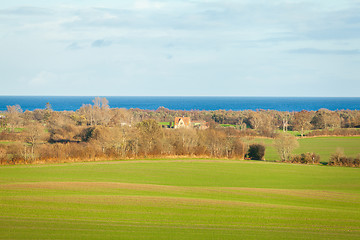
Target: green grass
x,y
228,125
324,146
164,123
187,199
295,133
7,142
15,129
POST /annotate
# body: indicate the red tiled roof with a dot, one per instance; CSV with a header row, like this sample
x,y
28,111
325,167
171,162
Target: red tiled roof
x,y
186,120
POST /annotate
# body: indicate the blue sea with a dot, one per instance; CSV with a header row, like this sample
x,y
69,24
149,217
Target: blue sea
x,y
186,103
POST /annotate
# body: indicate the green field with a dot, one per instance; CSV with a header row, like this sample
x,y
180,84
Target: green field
x,y
324,146
229,125
295,133
15,129
179,199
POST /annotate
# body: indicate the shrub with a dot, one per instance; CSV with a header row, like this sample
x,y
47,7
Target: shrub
x,y
239,149
256,151
339,159
15,153
335,132
306,158
3,155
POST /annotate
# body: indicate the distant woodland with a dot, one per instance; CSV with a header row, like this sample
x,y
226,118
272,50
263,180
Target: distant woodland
x,y
98,132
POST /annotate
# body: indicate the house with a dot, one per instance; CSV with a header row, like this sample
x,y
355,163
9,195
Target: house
x,y
182,122
200,124
185,122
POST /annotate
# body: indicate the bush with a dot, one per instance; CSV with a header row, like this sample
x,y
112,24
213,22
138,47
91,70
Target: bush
x,y
339,159
335,132
3,154
238,149
256,151
16,153
306,158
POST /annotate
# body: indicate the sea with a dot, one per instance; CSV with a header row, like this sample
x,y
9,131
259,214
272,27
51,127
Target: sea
x,y
72,103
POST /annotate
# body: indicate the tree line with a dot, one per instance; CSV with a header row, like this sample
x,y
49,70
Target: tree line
x,y
96,131
262,122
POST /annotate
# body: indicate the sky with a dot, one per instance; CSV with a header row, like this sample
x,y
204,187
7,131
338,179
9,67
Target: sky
x,y
180,48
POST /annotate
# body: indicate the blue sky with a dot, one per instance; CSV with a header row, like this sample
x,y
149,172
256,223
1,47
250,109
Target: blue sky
x,y
180,48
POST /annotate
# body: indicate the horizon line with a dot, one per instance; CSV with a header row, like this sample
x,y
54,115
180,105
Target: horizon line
x,y
179,96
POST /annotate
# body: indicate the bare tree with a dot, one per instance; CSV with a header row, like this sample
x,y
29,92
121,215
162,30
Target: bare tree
x,y
325,118
100,110
34,133
284,118
86,112
285,144
302,121
13,116
255,120
150,132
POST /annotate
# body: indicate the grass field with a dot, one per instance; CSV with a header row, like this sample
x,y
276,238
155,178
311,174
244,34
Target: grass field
x,y
6,142
295,133
184,199
15,129
324,146
228,125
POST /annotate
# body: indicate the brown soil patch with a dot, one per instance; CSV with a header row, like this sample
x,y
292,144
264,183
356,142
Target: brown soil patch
x,y
261,192
156,201
314,194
